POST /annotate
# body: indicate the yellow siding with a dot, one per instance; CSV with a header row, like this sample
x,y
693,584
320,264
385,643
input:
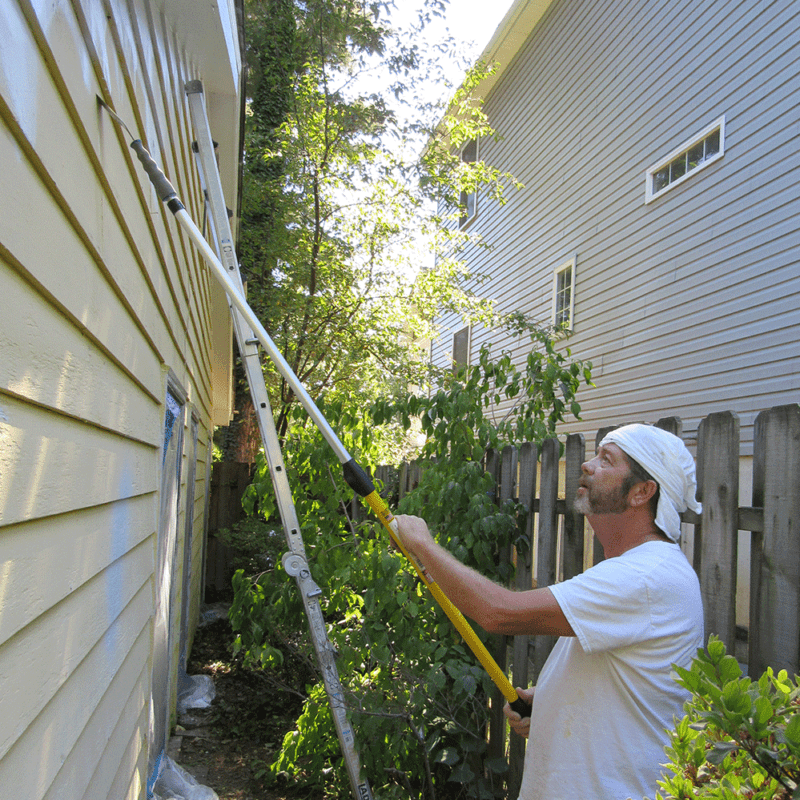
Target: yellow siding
x,y
102,297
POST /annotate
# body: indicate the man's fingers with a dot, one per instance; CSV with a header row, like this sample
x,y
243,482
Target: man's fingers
x,y
527,694
520,725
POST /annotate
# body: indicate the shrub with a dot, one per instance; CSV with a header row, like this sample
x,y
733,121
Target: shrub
x,y
740,738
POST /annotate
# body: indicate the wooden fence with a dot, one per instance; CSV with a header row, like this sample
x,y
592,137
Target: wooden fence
x,y
229,480
558,547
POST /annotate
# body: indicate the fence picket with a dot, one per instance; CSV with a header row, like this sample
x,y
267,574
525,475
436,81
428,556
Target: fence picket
x,y
547,538
572,560
672,425
528,458
717,543
505,467
775,560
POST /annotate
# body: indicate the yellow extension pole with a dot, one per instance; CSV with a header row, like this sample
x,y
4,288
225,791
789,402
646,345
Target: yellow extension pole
x,y
377,504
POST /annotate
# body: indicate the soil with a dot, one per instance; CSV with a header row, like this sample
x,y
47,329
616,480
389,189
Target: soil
x,y
229,746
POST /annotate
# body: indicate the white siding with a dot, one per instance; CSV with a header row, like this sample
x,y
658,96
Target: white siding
x,y
101,296
687,305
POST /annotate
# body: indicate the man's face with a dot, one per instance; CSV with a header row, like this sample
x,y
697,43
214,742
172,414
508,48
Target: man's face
x,y
602,487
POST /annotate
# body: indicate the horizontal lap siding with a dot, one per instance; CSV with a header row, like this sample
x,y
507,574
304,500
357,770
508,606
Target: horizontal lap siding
x,y
49,650
102,294
688,304
76,709
55,556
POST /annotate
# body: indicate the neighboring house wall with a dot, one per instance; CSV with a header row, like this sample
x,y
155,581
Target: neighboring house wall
x,y
685,305
104,308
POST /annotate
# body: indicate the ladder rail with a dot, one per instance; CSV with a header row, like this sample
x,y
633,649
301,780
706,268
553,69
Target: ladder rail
x,y
295,561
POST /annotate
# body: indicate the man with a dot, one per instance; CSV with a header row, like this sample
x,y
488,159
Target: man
x,y
605,697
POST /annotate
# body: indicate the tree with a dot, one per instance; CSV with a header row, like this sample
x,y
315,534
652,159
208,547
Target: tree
x,y
337,197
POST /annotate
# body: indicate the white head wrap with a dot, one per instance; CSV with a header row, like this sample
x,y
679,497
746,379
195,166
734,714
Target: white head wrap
x,y
666,458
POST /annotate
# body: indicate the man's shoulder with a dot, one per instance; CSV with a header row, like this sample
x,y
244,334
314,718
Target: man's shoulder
x,y
655,555
659,567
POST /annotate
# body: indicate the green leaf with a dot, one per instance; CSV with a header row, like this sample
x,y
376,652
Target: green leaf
x,y
729,668
763,711
716,649
499,766
462,774
735,700
720,750
448,755
792,731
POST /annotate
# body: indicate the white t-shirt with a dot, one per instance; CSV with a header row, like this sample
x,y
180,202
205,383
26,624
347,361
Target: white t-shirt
x,y
606,697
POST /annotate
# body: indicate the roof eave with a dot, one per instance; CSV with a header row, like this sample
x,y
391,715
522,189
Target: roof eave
x,y
508,39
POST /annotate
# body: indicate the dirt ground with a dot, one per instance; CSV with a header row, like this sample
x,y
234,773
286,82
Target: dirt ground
x,y
229,746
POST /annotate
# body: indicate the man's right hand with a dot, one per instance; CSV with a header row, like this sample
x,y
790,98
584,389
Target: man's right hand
x,y
520,725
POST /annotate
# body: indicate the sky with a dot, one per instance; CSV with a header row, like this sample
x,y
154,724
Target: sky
x,y
472,22
475,20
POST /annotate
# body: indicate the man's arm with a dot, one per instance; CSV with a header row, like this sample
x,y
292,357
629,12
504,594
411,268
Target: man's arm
x,y
495,608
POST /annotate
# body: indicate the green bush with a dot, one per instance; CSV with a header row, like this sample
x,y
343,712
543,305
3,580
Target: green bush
x,y
418,698
740,738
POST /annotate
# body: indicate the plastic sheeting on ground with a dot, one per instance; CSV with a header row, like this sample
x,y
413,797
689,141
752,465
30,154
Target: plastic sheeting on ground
x,y
175,783
196,691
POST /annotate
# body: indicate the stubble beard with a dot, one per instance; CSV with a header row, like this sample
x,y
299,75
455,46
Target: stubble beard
x,y
610,502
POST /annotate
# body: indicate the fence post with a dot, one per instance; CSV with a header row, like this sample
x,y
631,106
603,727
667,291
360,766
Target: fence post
x,y
597,549
496,644
775,562
528,458
718,489
506,467
573,521
402,490
547,538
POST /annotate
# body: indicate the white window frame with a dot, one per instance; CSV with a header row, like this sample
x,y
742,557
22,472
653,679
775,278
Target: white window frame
x,y
561,268
718,124
465,220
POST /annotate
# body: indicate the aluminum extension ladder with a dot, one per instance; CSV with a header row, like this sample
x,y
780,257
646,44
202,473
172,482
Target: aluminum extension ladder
x,y
295,561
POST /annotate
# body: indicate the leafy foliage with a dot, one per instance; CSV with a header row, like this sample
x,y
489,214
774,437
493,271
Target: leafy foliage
x,y
463,419
336,203
418,697
739,738
346,254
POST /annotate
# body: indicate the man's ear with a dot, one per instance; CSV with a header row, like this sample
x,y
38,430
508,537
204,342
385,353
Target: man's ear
x,y
641,493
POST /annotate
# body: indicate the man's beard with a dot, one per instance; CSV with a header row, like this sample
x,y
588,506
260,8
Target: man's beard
x,y
609,502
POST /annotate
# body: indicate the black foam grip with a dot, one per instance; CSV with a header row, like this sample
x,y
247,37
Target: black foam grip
x,y
521,707
357,479
163,187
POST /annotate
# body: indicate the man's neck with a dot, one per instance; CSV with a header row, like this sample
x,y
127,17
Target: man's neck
x,y
618,533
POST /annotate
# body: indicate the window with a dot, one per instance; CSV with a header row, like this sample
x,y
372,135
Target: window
x,y
703,149
564,295
166,558
469,200
461,345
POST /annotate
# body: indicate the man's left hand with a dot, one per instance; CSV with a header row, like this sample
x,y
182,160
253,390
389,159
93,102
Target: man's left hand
x,y
413,532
